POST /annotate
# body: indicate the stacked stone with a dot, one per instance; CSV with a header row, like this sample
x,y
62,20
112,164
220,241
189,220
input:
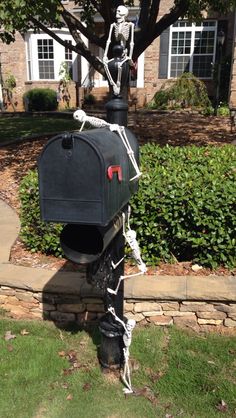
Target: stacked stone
x,y
25,304
185,313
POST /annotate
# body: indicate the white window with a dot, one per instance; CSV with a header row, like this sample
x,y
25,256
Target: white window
x,y
46,59
69,59
192,48
45,56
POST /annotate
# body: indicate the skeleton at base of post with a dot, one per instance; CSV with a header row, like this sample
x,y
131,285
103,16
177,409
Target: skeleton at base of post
x,y
127,339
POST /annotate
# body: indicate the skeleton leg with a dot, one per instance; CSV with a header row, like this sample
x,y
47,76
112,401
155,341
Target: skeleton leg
x,y
125,376
116,87
123,136
130,154
127,337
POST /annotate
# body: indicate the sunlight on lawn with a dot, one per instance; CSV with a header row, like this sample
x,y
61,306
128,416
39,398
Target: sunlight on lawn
x,y
48,372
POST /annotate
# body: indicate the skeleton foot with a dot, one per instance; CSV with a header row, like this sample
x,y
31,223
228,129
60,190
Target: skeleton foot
x,y
127,391
113,292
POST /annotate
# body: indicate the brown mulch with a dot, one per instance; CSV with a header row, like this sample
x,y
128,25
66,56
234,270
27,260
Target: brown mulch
x,y
168,128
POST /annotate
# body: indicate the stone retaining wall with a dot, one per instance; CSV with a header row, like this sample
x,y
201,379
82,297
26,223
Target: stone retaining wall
x,y
25,304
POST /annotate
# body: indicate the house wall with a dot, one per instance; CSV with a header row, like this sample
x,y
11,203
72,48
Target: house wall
x,y
12,59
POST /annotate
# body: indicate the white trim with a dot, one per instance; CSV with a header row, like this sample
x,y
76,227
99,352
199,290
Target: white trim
x,y
140,73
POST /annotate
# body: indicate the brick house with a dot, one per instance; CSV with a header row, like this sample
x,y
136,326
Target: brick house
x,y
35,59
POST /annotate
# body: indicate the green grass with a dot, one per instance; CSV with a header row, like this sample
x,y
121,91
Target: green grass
x,y
15,127
179,374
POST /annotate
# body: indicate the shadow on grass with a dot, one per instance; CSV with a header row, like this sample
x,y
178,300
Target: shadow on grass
x,y
64,299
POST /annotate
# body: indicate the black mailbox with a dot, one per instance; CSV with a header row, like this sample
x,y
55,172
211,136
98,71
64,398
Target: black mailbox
x,y
84,177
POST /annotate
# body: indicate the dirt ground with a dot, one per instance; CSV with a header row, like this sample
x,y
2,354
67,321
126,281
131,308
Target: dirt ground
x,y
168,128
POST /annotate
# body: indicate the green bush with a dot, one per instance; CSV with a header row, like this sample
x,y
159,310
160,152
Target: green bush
x,y
185,206
185,92
37,235
223,110
40,99
89,99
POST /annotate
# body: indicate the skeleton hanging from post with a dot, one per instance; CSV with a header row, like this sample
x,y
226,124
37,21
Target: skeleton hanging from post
x,y
123,33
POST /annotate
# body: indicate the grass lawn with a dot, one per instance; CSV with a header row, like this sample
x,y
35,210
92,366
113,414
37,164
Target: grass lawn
x,y
49,373
24,127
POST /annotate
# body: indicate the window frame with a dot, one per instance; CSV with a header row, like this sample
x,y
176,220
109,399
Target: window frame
x,y
45,48
193,28
31,47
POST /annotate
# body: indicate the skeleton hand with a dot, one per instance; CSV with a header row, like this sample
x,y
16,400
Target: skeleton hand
x,y
105,59
114,127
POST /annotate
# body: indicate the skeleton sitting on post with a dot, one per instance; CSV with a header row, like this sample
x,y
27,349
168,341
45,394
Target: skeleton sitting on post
x,y
123,33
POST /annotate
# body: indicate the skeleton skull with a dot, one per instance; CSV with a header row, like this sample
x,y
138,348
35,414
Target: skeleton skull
x,y
130,324
121,14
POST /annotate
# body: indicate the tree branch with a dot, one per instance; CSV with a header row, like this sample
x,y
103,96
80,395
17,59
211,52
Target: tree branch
x,y
80,47
75,25
145,37
154,11
45,29
144,13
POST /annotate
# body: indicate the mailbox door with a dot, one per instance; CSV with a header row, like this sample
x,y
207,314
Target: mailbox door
x,y
69,175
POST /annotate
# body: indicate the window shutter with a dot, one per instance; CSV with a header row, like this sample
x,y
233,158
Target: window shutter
x,y
222,26
164,53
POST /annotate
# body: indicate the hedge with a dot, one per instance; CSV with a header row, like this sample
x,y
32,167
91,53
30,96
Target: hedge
x,y
37,235
41,99
184,208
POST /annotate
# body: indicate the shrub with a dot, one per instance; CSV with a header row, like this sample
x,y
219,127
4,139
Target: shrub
x,y
223,110
41,99
37,235
186,92
185,206
89,99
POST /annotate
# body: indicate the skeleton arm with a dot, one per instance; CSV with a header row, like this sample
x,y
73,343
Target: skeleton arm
x,y
131,41
105,60
127,338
